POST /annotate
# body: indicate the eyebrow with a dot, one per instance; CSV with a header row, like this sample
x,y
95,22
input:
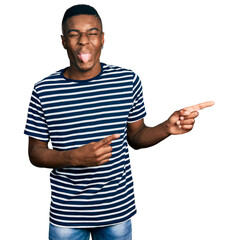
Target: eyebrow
x,y
75,30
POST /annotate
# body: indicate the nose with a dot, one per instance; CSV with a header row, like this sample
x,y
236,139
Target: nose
x,y
83,39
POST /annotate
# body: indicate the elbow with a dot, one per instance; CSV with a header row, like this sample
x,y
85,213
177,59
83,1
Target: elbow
x,y
133,145
136,147
36,150
33,159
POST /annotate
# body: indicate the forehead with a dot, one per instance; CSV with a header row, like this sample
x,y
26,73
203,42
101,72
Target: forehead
x,y
83,22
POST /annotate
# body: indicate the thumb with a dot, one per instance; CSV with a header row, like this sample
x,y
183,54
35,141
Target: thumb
x,y
174,117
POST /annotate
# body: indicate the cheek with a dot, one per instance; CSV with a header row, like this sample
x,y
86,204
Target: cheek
x,y
70,47
97,46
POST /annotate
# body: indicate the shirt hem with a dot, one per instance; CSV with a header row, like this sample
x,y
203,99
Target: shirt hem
x,y
96,226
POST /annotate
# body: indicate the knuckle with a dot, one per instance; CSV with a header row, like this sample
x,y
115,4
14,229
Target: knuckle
x,y
91,144
105,140
97,160
96,154
94,148
97,163
106,160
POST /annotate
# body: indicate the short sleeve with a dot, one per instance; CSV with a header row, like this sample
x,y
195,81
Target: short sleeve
x,y
36,125
137,111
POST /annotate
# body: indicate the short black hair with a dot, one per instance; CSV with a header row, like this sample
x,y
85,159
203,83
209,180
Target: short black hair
x,y
80,9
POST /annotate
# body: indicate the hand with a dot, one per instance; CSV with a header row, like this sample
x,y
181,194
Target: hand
x,y
182,121
94,153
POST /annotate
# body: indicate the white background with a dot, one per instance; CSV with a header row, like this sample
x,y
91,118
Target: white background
x,y
185,52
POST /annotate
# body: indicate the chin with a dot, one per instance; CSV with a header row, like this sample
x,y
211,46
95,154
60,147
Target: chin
x,y
85,67
92,65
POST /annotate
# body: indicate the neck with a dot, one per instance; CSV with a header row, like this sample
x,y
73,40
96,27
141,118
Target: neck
x,y
75,73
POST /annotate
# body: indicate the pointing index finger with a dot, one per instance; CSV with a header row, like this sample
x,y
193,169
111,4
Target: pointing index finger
x,y
199,106
107,140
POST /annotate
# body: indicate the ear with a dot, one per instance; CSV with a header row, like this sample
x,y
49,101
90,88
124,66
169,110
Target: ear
x,y
102,39
64,42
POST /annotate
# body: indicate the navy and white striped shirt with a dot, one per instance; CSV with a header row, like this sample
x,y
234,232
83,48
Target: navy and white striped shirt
x,y
72,113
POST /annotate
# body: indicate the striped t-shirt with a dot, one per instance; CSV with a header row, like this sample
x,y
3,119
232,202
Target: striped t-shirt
x,y
72,113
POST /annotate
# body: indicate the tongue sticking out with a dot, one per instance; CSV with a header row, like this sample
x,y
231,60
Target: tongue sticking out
x,y
84,57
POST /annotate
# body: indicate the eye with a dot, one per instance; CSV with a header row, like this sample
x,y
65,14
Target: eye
x,y
71,35
93,33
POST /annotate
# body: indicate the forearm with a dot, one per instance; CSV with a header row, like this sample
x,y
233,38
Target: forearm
x,y
92,154
149,136
49,158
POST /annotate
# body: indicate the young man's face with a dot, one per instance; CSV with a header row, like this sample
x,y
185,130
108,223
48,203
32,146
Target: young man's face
x,y
83,39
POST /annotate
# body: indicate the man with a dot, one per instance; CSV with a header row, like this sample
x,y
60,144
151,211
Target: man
x,y
90,111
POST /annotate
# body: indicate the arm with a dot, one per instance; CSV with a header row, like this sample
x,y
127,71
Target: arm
x,y
141,136
182,121
92,154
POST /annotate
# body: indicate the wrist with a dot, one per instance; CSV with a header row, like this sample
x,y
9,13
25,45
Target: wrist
x,y
167,127
68,159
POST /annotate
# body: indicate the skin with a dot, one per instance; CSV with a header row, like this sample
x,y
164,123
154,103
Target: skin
x,y
180,122
83,34
77,39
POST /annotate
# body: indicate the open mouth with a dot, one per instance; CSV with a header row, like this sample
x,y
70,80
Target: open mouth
x,y
85,57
